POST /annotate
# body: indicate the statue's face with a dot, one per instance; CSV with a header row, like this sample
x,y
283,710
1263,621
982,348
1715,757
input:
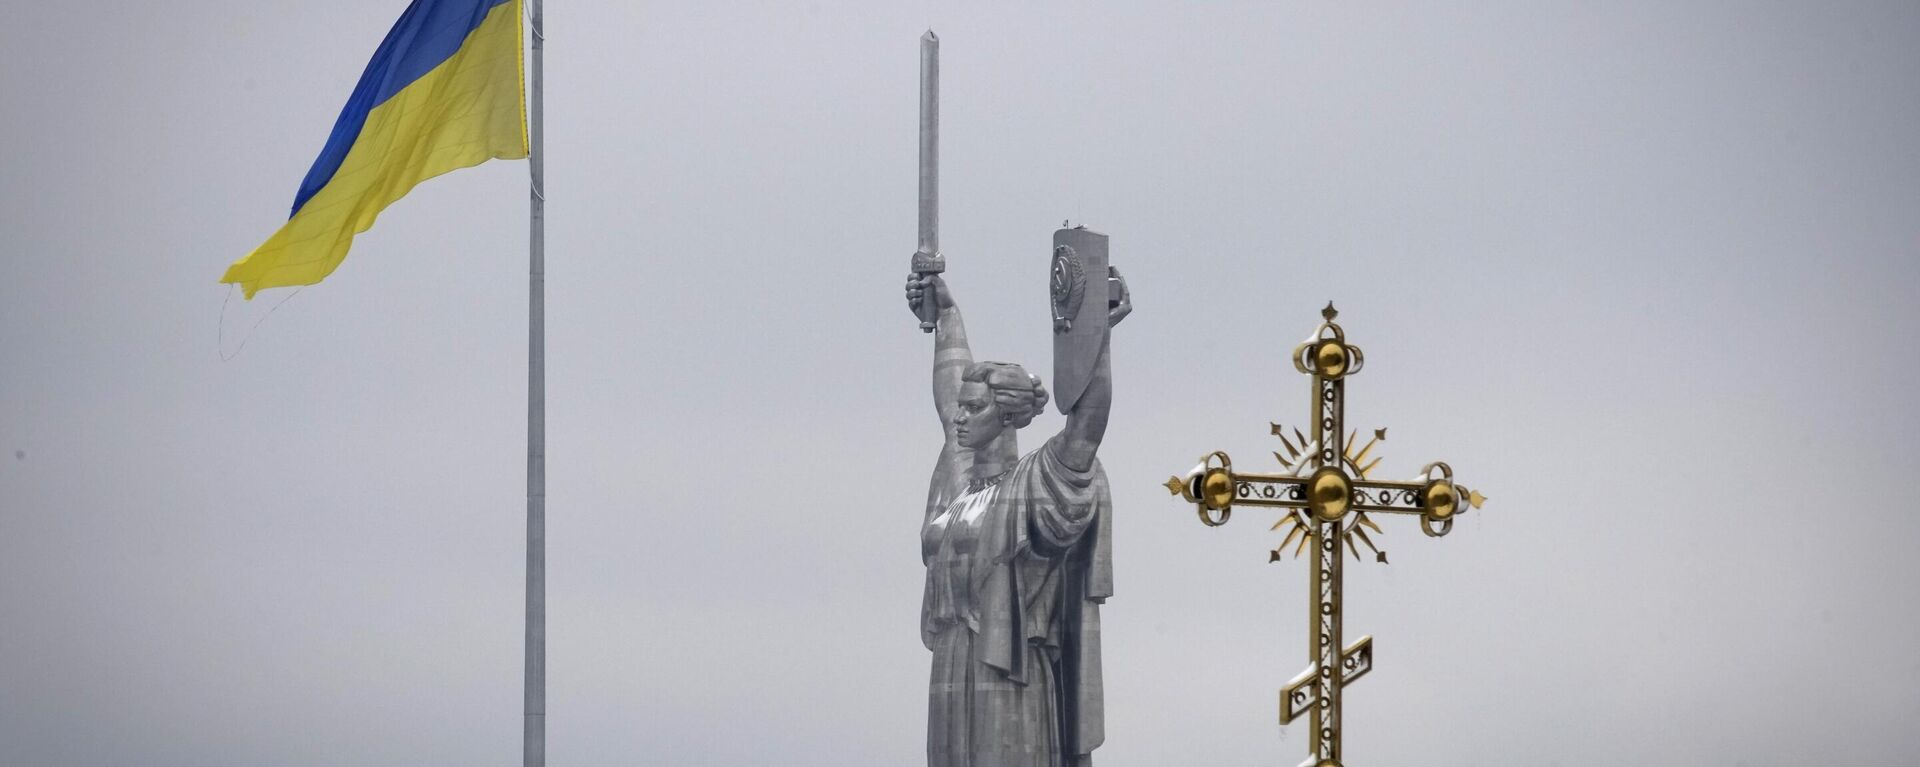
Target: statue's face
x,y
978,422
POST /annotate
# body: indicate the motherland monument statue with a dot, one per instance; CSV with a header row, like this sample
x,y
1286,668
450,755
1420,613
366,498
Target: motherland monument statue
x,y
1017,548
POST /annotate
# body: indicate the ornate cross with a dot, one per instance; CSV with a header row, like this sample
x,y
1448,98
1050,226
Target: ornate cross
x,y
1328,495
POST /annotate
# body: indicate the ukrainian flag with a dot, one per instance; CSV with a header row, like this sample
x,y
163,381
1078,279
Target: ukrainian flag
x,y
443,92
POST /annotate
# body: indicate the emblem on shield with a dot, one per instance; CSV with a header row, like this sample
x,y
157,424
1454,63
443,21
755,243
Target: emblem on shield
x,y
1068,287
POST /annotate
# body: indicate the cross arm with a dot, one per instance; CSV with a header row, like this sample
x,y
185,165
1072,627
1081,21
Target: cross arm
x,y
1301,695
1214,487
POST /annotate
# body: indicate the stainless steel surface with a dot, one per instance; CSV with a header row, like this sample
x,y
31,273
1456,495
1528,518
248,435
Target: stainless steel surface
x,y
1003,533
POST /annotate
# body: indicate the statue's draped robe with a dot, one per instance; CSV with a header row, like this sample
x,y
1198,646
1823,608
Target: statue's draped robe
x,y
1016,572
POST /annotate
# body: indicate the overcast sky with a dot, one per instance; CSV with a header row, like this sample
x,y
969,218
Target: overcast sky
x,y
1641,272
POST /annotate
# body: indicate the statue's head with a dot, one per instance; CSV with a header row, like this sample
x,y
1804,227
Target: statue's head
x,y
995,397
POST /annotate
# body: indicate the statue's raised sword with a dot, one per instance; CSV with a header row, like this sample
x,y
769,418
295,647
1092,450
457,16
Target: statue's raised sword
x,y
927,259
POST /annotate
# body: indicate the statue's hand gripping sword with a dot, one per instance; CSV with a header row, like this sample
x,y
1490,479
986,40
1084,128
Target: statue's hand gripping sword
x,y
928,259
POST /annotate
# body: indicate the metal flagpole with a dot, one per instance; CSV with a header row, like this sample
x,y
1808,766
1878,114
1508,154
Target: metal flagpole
x,y
534,737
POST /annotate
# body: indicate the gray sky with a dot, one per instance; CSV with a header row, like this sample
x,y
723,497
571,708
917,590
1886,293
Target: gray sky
x,y
1638,271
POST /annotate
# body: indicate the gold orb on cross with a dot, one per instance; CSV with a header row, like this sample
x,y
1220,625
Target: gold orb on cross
x,y
1216,488
1440,500
1330,359
1329,494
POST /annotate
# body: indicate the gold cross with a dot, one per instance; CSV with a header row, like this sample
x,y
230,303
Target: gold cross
x,y
1328,496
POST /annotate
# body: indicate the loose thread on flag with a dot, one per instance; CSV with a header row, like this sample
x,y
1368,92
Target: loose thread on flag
x,y
222,331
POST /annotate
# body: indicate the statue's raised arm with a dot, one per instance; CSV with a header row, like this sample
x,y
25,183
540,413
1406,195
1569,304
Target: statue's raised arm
x,y
927,296
951,353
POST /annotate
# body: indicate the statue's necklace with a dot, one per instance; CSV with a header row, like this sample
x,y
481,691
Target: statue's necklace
x,y
978,485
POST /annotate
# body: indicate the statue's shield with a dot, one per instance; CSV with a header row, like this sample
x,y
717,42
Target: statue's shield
x,y
1078,293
